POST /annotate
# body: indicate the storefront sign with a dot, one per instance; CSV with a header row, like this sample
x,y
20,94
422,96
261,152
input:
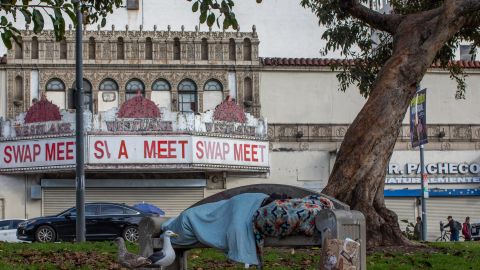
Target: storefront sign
x,y
435,168
37,153
45,128
138,125
177,150
433,180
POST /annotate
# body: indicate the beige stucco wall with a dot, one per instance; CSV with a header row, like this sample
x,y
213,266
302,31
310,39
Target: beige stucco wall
x,y
14,192
3,93
313,97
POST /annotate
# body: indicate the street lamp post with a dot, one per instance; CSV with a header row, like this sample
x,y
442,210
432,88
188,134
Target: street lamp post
x,y
79,127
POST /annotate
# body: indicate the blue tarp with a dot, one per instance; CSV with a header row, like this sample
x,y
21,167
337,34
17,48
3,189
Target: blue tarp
x,y
226,225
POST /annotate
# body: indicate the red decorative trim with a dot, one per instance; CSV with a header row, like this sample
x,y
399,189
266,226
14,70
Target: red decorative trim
x,y
42,111
229,111
139,107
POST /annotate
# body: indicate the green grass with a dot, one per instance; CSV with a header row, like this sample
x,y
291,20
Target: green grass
x,y
102,255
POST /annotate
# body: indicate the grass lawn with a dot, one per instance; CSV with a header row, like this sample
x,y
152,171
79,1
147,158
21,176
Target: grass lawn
x,y
102,255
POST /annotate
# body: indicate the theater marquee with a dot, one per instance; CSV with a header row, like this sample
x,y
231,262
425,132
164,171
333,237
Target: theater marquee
x,y
137,137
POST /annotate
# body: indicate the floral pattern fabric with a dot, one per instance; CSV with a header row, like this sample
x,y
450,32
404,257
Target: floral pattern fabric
x,y
282,218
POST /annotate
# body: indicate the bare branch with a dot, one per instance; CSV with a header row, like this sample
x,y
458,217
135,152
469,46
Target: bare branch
x,y
377,20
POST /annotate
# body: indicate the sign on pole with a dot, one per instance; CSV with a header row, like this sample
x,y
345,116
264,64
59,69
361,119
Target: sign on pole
x,y
418,118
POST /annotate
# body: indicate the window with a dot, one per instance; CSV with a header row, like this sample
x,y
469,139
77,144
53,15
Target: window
x,y
55,92
247,50
111,210
465,53
34,48
18,97
132,5
204,49
176,49
4,225
148,49
15,223
120,49
63,49
108,85
91,48
87,96
213,94
133,87
130,211
55,85
18,49
187,96
91,210
161,85
248,90
232,54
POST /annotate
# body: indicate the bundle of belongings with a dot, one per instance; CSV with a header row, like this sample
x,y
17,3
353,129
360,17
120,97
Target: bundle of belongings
x,y
239,224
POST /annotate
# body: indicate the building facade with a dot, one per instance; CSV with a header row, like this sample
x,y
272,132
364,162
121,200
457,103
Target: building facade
x,y
186,75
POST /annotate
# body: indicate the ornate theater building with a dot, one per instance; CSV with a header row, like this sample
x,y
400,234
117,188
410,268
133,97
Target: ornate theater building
x,y
175,116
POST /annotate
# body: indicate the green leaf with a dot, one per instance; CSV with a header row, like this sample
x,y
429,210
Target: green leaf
x,y
195,7
4,21
72,15
37,21
27,15
104,22
226,23
211,19
6,38
203,16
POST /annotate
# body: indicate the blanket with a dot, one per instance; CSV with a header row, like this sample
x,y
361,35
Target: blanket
x,y
225,225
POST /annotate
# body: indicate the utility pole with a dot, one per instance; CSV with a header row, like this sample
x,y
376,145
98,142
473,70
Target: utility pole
x,y
79,127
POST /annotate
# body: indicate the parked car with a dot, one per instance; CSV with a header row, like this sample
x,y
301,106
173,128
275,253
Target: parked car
x,y
103,221
476,231
8,230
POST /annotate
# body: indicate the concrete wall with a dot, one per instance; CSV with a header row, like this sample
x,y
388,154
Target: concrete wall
x,y
14,191
3,93
313,97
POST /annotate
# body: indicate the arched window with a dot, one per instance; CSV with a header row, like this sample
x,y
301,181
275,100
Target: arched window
x,y
204,49
161,85
108,85
161,94
108,95
120,49
55,92
148,49
19,49
176,49
18,97
133,87
213,94
187,96
87,96
232,54
247,50
34,48
55,85
248,90
91,48
63,49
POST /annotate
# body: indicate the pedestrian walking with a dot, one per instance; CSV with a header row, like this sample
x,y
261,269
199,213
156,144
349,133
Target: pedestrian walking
x,y
467,229
455,228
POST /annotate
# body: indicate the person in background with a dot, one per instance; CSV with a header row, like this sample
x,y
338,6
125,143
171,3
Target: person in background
x,y
467,229
454,228
417,230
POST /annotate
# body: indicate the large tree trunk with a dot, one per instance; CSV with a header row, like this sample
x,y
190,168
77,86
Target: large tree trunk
x,y
358,176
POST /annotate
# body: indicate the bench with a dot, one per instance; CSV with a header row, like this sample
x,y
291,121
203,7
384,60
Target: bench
x,y
338,223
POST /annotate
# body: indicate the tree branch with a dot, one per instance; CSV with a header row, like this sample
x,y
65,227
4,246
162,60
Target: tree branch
x,y
468,6
377,20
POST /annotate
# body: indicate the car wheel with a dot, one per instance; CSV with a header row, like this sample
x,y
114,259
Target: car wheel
x,y
45,234
130,234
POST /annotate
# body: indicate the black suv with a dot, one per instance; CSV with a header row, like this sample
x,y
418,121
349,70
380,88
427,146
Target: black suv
x,y
103,221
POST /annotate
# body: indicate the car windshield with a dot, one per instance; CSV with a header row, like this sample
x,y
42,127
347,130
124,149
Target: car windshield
x,y
4,225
